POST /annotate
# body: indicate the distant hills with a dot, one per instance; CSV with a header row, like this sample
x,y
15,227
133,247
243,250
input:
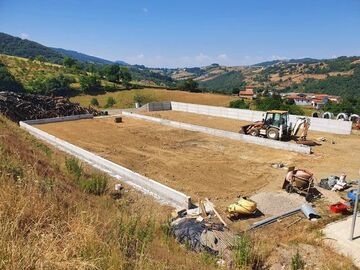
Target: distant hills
x,y
339,76
16,46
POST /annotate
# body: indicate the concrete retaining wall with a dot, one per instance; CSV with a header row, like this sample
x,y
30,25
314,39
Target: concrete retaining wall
x,y
161,192
59,119
317,124
225,134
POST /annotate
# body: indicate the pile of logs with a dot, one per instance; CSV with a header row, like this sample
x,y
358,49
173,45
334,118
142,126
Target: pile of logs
x,y
22,106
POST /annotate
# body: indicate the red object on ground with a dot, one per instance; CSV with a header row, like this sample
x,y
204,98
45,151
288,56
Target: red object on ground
x,y
339,208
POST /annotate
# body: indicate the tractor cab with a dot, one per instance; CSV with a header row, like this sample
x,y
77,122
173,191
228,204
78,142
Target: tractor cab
x,y
276,124
276,118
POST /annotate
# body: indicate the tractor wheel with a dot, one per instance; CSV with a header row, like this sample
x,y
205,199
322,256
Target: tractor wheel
x,y
272,133
289,188
255,132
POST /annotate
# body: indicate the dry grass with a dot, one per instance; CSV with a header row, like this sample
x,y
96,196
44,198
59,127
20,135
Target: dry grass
x,y
47,222
125,98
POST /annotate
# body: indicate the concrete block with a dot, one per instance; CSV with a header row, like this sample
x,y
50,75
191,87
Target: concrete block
x,y
59,119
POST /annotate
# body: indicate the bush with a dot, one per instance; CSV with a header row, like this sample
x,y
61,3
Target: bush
x,y
188,85
297,263
110,102
73,167
243,251
94,102
95,184
238,104
8,81
89,84
53,84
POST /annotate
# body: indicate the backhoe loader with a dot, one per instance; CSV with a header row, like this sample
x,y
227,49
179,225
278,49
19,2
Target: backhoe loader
x,y
276,126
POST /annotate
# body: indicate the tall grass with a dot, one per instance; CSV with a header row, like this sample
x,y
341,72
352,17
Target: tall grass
x,y
47,221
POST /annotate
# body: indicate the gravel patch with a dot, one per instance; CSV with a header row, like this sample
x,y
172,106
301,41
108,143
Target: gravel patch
x,y
276,203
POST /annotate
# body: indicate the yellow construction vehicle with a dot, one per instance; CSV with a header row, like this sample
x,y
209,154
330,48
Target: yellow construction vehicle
x,y
276,126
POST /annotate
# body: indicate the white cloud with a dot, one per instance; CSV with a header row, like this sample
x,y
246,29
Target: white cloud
x,y
202,58
277,57
222,56
145,10
24,35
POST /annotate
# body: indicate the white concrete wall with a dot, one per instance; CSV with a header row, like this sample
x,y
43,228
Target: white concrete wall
x,y
161,192
225,134
317,124
59,119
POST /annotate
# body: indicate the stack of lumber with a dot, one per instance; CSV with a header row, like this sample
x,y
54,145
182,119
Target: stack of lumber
x,y
22,106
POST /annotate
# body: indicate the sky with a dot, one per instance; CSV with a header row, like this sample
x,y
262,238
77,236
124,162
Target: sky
x,y
174,33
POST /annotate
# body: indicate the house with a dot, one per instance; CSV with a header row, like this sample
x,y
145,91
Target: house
x,y
299,99
248,93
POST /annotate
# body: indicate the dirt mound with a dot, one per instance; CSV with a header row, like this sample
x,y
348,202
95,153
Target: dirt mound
x,y
22,106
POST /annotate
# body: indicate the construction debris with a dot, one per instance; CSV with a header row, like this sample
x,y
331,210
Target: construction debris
x,y
22,106
243,207
200,229
334,183
305,208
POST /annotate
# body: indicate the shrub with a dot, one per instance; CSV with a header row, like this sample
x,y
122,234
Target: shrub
x,y
94,102
89,83
73,167
243,251
238,104
50,85
95,184
297,262
110,102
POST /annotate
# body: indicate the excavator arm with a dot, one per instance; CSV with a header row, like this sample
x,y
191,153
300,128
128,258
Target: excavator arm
x,y
304,123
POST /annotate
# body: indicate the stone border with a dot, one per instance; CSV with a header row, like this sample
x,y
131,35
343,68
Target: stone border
x,y
303,149
161,192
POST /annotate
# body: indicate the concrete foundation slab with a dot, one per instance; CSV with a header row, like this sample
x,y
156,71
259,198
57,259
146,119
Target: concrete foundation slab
x,y
338,234
226,134
161,192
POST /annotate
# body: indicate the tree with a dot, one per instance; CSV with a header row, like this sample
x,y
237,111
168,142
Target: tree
x,y
89,83
125,76
8,81
188,85
69,62
40,58
112,73
54,84
238,104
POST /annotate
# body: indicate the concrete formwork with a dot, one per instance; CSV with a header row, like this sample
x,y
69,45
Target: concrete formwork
x,y
225,134
59,119
159,191
317,124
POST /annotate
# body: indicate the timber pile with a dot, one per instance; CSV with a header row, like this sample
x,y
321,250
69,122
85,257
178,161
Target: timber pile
x,y
21,106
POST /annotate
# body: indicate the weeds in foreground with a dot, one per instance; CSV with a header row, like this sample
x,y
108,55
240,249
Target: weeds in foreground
x,y
245,254
297,262
94,184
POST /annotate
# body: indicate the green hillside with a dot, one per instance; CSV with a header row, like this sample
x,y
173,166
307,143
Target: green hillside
x,y
224,83
15,46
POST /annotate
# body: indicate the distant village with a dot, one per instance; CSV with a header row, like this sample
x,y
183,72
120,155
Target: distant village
x,y
316,101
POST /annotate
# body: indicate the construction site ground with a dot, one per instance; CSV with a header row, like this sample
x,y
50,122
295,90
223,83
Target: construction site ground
x,y
201,165
221,169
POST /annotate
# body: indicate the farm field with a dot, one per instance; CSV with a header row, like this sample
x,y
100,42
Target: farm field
x,y
125,98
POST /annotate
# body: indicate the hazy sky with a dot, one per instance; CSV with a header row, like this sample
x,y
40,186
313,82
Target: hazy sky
x,y
189,33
